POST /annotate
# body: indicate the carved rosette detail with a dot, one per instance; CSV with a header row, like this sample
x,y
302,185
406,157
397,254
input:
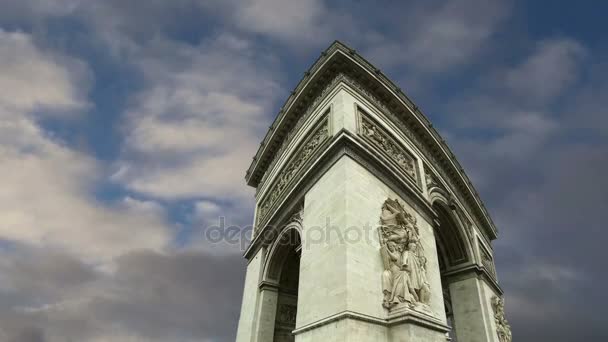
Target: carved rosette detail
x,y
404,279
295,164
382,140
503,329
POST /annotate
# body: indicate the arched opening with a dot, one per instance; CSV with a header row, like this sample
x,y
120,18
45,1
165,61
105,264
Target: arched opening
x,y
450,238
453,251
284,272
447,298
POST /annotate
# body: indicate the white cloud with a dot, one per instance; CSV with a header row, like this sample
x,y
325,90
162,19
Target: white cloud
x,y
293,21
46,195
32,78
193,130
455,33
554,65
45,200
205,208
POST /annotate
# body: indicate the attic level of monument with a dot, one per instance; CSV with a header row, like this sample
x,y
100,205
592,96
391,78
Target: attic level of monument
x,y
340,63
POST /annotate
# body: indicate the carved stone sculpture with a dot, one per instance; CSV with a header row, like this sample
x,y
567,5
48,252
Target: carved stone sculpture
x,y
503,329
296,163
381,140
404,278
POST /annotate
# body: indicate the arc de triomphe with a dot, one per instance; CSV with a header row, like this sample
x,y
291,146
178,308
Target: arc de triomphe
x,y
366,226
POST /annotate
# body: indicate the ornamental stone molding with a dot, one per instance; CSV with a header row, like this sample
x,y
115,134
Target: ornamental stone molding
x,y
487,261
439,155
302,118
387,145
319,135
349,153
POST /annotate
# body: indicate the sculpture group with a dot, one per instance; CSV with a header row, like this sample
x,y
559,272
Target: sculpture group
x,y
503,329
404,279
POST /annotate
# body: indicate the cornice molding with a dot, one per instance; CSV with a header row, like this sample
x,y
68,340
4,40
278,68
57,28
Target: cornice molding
x,y
339,59
405,317
344,143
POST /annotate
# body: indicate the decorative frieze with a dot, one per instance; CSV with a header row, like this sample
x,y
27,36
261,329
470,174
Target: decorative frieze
x,y
301,120
404,279
487,261
300,157
503,329
379,138
458,186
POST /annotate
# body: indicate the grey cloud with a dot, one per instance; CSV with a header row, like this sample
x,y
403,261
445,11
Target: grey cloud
x,y
587,107
44,274
539,169
185,296
550,207
540,173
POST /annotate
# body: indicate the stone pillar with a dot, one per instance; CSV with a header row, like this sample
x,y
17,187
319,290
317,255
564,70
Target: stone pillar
x,y
266,314
472,305
347,145
247,321
340,295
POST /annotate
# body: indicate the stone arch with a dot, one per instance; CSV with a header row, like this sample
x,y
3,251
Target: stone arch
x,y
288,240
280,284
453,245
454,251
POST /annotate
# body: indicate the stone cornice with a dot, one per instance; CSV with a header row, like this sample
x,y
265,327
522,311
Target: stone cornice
x,y
472,270
405,317
338,59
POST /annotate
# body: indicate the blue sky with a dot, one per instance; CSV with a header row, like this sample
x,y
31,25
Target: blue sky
x,y
126,128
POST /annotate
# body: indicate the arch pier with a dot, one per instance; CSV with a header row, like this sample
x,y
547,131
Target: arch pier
x,y
366,226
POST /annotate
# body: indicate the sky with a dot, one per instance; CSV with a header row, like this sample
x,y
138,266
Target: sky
x,y
126,128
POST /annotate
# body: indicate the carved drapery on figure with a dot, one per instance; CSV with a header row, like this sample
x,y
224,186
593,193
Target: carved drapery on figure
x,y
404,279
503,329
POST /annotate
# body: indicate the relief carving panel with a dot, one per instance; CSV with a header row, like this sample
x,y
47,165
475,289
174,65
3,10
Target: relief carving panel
x,y
487,261
292,167
404,279
503,329
378,137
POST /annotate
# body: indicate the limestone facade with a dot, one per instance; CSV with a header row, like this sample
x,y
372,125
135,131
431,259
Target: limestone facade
x,y
362,203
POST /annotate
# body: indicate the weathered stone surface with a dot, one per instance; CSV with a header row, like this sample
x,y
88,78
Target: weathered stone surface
x,y
391,246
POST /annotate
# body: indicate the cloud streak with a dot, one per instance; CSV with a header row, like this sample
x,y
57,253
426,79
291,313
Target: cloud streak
x,y
113,248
